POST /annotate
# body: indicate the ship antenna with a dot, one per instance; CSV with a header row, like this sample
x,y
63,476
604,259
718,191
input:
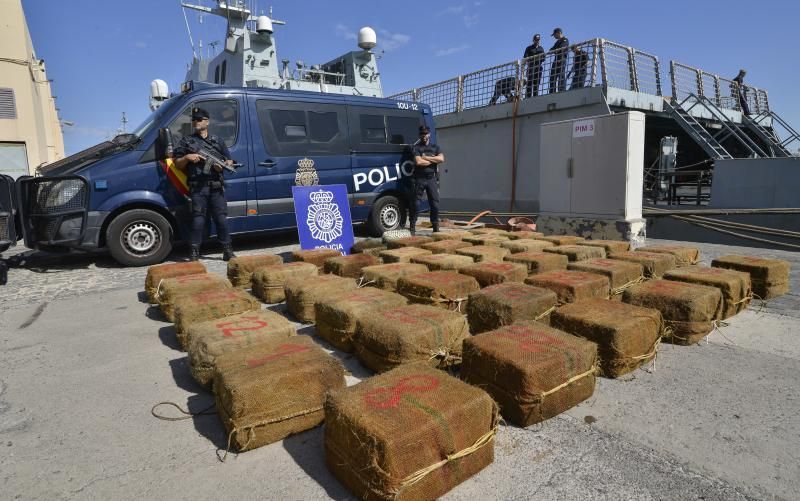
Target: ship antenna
x,y
189,31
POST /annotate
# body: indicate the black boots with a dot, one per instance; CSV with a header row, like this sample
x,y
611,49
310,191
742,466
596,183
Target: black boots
x,y
227,252
436,227
194,253
413,230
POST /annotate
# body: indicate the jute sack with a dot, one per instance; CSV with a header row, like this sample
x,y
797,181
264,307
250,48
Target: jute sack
x,y
684,256
373,245
496,273
316,257
407,434
689,310
621,274
533,371
525,245
577,252
444,289
385,276
487,231
734,285
627,336
655,264
523,235
443,262
445,246
610,246
303,292
539,262
349,266
450,235
572,286
407,334
490,239
769,277
273,390
207,341
210,305
484,253
403,254
415,241
505,304
563,239
159,272
241,268
268,281
173,288
337,316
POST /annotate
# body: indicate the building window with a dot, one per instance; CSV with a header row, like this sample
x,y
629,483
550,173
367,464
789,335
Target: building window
x,y
13,159
8,105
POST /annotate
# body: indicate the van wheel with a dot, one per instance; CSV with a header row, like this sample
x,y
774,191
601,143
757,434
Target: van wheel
x,y
139,237
388,213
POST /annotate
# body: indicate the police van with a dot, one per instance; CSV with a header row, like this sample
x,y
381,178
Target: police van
x,y
126,196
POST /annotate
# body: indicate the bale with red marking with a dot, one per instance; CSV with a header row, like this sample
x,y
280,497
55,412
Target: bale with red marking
x,y
273,390
450,235
241,268
533,371
403,254
413,333
337,316
610,246
505,304
496,273
349,266
684,256
208,341
444,289
627,336
539,262
210,305
159,272
577,252
526,245
445,246
385,276
769,277
186,285
444,262
621,274
523,235
490,240
370,246
734,285
316,257
484,253
563,239
572,286
410,433
655,264
303,292
268,282
689,310
414,241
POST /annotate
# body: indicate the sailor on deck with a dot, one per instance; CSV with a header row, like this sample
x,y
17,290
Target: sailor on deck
x,y
558,70
534,54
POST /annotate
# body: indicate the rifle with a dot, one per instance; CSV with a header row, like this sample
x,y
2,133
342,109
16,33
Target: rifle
x,y
211,158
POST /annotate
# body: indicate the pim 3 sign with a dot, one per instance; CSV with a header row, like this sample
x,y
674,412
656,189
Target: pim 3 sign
x,y
323,217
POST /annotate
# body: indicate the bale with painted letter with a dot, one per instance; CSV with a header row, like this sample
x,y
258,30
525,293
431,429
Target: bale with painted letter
x,y
507,303
210,305
443,289
174,288
159,272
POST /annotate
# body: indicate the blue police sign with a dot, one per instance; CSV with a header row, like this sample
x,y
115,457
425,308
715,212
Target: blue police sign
x,y
323,217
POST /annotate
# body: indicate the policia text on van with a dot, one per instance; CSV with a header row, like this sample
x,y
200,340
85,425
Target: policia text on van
x,y
127,196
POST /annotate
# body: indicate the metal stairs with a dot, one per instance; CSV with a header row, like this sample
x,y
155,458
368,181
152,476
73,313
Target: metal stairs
x,y
696,131
768,136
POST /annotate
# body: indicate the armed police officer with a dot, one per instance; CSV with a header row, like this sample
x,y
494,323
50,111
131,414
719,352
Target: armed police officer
x,y
206,186
427,157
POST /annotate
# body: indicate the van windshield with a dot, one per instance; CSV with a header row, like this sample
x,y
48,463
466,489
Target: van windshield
x,y
155,117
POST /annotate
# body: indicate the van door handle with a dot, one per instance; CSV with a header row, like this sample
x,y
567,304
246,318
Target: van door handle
x,y
268,163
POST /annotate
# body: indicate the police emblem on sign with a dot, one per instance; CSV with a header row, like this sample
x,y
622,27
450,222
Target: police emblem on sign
x,y
324,218
306,174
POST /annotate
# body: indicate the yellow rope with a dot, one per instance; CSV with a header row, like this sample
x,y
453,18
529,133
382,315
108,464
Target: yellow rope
x,y
545,313
569,381
619,290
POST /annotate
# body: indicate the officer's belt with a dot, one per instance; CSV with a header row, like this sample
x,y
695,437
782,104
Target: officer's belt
x,y
214,185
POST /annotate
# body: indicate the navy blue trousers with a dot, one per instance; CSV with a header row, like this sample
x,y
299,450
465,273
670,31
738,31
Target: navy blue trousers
x,y
204,201
424,186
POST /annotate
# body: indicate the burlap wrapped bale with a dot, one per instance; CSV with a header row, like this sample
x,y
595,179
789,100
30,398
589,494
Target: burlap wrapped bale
x,y
241,268
373,245
533,371
159,272
444,289
349,266
523,235
274,390
689,310
268,281
769,277
410,433
316,257
415,241
207,341
173,288
484,253
621,274
539,262
210,305
610,246
654,264
627,336
413,333
487,231
526,245
572,286
337,316
684,256
385,276
496,273
577,252
450,235
505,304
444,262
490,240
734,285
303,292
563,239
445,246
402,255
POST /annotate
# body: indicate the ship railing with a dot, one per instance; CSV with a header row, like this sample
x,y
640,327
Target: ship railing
x,y
724,92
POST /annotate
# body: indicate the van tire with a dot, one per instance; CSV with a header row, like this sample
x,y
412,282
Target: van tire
x,y
388,213
139,237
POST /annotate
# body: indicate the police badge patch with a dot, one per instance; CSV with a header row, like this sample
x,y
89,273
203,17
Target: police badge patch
x,y
306,174
324,218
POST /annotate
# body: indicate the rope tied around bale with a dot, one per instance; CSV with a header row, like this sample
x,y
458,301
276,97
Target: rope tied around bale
x,y
363,282
622,288
440,300
187,413
545,313
446,356
569,381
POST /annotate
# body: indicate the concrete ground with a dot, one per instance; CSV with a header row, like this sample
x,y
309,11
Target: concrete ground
x,y
83,360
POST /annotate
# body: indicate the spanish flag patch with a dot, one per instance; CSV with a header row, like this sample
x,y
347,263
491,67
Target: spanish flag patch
x,y
176,176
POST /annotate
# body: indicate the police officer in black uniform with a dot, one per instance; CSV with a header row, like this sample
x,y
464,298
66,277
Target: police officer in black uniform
x,y
558,70
427,157
533,75
580,66
206,190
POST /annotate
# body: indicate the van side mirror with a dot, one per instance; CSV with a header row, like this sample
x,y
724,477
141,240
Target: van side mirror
x,y
164,146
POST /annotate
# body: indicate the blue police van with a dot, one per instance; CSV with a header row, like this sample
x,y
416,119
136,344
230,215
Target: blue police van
x,y
119,195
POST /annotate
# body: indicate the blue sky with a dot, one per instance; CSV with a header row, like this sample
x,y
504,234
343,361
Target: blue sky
x,y
102,55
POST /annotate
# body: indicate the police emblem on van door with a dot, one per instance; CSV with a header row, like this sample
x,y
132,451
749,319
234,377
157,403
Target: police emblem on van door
x,y
324,218
306,174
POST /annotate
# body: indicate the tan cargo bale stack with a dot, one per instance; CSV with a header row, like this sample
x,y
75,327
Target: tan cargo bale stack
x,y
526,245
268,281
316,257
410,433
273,390
655,264
210,305
572,286
208,341
337,316
577,252
610,246
627,336
488,240
415,241
496,273
303,292
444,262
769,277
684,256
445,246
450,235
443,289
487,231
368,246
689,310
402,255
505,304
734,285
349,266
241,268
539,262
523,235
174,288
620,274
533,371
563,239
408,334
484,253
159,272
385,276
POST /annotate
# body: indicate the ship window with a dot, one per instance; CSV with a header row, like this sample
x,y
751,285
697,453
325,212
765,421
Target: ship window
x,y
222,76
305,129
216,74
403,130
373,129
